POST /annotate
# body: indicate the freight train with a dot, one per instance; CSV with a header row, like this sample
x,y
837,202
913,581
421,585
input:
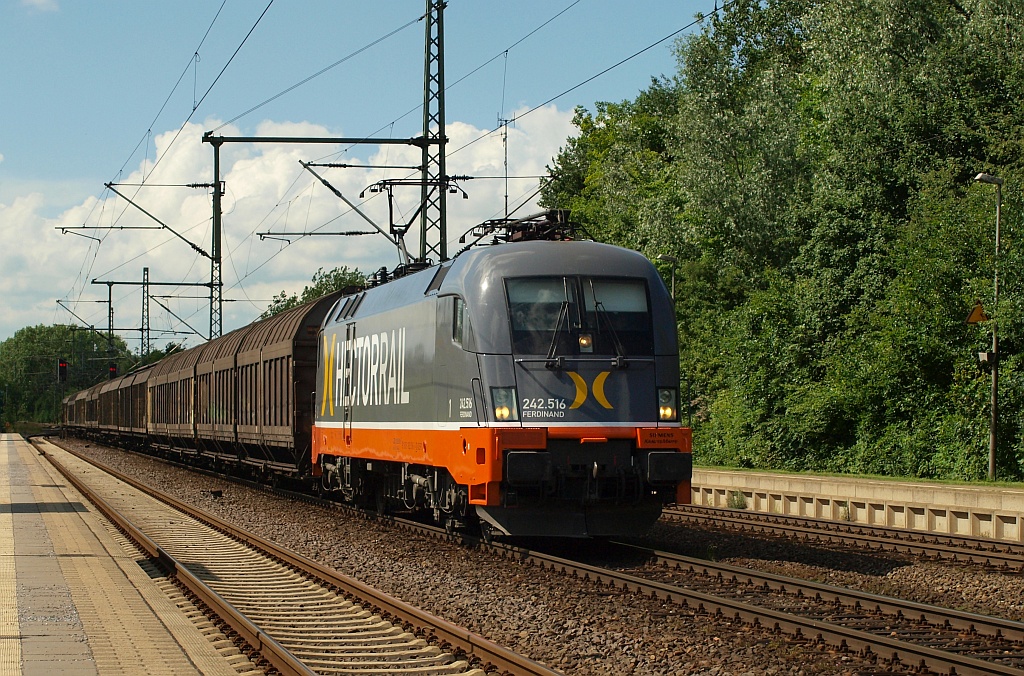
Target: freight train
x,y
528,387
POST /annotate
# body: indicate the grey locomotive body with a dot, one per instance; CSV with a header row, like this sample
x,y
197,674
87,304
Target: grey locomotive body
x,y
532,386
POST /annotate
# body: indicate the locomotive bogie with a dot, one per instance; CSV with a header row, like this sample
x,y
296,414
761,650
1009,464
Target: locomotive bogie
x,y
389,486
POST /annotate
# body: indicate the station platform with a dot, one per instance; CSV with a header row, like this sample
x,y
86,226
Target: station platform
x,y
73,599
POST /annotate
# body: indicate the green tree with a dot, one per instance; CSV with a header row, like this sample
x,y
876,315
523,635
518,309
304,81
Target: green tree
x,y
28,368
810,167
323,284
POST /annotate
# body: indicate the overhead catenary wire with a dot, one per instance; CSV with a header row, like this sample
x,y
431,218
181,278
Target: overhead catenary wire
x,y
453,84
174,88
299,174
149,130
500,54
213,84
196,104
698,20
249,272
148,133
320,72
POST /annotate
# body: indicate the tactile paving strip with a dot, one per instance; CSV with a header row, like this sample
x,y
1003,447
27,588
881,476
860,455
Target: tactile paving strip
x,y
10,631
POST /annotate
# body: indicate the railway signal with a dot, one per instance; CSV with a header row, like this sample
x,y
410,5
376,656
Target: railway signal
x,y
62,369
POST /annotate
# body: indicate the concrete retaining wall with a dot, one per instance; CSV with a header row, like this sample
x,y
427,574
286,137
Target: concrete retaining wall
x,y
982,511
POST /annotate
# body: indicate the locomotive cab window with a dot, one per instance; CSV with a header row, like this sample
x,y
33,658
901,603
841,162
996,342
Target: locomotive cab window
x,y
574,316
459,320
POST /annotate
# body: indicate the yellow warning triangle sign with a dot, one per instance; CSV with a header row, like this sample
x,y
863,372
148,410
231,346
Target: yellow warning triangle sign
x,y
977,315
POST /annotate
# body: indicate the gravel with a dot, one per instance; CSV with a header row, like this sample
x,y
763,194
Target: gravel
x,y
967,587
574,626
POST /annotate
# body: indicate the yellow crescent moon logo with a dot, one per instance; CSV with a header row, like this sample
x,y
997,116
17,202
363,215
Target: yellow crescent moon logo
x,y
599,389
581,389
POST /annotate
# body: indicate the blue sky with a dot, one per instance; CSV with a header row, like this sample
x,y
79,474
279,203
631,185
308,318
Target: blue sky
x,y
96,91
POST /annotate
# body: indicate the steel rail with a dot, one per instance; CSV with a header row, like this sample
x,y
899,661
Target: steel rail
x,y
935,615
269,649
867,644
900,652
446,635
966,541
1001,555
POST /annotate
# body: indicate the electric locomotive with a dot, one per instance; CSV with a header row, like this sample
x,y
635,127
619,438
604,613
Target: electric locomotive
x,y
523,388
529,387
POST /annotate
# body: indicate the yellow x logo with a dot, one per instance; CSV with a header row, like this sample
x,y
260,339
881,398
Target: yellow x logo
x,y
581,389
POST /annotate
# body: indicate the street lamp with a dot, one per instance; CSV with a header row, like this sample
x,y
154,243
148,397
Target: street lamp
x,y
673,261
670,259
994,358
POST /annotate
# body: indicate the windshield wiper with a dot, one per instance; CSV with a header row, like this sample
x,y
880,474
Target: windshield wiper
x,y
620,353
552,361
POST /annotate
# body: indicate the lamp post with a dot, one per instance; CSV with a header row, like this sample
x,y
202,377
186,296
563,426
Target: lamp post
x,y
670,259
994,359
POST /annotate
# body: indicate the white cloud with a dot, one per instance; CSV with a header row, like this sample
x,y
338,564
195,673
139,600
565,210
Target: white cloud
x,y
41,5
267,191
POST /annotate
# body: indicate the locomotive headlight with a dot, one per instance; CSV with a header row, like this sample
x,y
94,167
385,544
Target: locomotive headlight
x,y
586,343
668,409
505,404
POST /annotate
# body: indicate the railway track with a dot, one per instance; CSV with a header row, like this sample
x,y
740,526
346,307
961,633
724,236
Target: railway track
x,y
902,635
898,634
999,555
300,617
947,629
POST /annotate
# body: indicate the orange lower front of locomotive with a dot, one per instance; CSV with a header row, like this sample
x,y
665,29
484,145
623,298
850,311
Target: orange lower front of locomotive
x,y
474,455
